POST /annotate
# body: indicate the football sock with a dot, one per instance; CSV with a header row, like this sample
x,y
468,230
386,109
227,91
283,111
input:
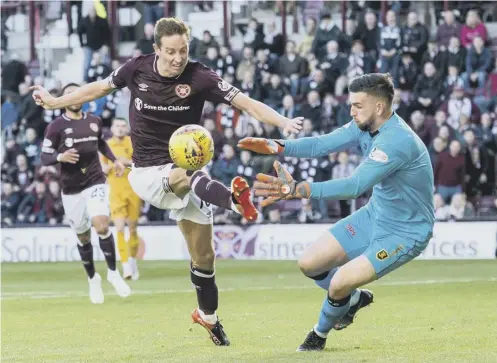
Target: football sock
x,y
331,312
210,191
207,293
109,250
133,244
86,253
123,247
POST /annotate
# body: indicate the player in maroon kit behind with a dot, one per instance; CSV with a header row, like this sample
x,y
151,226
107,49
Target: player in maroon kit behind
x,y
167,92
74,140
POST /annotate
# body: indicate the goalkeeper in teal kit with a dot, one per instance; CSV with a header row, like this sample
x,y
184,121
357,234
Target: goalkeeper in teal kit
x,y
392,229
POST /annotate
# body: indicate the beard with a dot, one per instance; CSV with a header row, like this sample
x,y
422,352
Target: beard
x,y
75,108
365,126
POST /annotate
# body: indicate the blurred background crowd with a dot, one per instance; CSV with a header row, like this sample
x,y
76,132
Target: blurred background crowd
x,y
297,57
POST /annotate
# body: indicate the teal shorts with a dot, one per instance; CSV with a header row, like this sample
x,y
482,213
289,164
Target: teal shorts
x,y
359,234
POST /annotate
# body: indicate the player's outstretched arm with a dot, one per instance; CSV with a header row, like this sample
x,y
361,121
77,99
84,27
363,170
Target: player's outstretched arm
x,y
377,166
88,92
306,147
266,114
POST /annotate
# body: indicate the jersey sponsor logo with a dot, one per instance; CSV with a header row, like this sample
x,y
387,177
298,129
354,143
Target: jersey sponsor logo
x,y
69,142
378,155
224,86
382,255
183,90
47,143
351,229
142,87
139,105
94,127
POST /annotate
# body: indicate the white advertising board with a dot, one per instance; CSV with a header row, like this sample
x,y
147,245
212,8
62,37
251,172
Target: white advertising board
x,y
462,240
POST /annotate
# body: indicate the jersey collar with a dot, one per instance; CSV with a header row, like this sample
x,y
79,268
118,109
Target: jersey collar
x,y
385,126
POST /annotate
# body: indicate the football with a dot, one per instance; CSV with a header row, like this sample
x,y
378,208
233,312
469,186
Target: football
x,y
191,147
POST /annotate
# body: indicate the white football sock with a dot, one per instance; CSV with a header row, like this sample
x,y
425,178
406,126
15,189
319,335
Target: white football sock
x,y
210,319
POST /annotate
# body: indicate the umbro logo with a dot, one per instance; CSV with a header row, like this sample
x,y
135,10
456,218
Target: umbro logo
x,y
142,87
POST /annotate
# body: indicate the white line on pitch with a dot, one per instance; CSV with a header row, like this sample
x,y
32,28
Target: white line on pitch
x,y
71,294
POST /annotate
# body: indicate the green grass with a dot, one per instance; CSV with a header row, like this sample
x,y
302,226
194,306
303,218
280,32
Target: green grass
x,y
427,311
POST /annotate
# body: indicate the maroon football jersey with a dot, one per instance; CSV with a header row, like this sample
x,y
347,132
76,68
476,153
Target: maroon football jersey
x,y
160,105
84,135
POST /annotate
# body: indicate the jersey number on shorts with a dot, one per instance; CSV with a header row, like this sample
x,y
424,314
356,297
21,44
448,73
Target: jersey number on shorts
x,y
98,193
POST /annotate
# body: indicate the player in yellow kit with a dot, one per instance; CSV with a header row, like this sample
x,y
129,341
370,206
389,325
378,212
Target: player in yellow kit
x,y
125,205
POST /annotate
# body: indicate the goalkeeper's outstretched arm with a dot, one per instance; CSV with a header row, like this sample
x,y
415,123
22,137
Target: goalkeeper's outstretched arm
x,y
311,147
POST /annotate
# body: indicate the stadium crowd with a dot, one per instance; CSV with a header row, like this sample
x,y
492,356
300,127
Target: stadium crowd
x,y
446,89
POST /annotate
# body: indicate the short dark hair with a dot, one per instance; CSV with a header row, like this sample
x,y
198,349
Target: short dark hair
x,y
72,84
374,84
170,26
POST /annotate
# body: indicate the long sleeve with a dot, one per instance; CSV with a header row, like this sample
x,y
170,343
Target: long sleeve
x,y
50,145
311,147
377,166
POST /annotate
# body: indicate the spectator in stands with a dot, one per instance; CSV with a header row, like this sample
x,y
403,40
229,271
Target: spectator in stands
x,y
473,28
312,108
390,45
450,28
246,168
460,208
145,44
450,171
253,35
32,146
333,64
292,67
246,64
415,37
417,123
207,42
478,63
30,115
440,121
98,70
10,203
317,83
427,90
442,211
10,111
36,207
456,55
488,138
289,110
435,56
477,167
327,32
249,87
458,105
349,34
263,65
210,59
153,11
94,34
399,106
273,93
407,72
453,80
226,167
359,63
226,61
273,41
436,147
13,74
22,175
56,201
305,46
369,33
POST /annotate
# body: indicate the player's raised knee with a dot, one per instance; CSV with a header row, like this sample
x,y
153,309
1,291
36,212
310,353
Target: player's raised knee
x,y
179,182
307,265
101,226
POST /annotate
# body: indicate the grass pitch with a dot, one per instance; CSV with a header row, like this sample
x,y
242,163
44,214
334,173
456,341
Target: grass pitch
x,y
427,311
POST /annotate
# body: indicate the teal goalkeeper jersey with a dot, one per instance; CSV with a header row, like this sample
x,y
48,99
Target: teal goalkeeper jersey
x,y
396,165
